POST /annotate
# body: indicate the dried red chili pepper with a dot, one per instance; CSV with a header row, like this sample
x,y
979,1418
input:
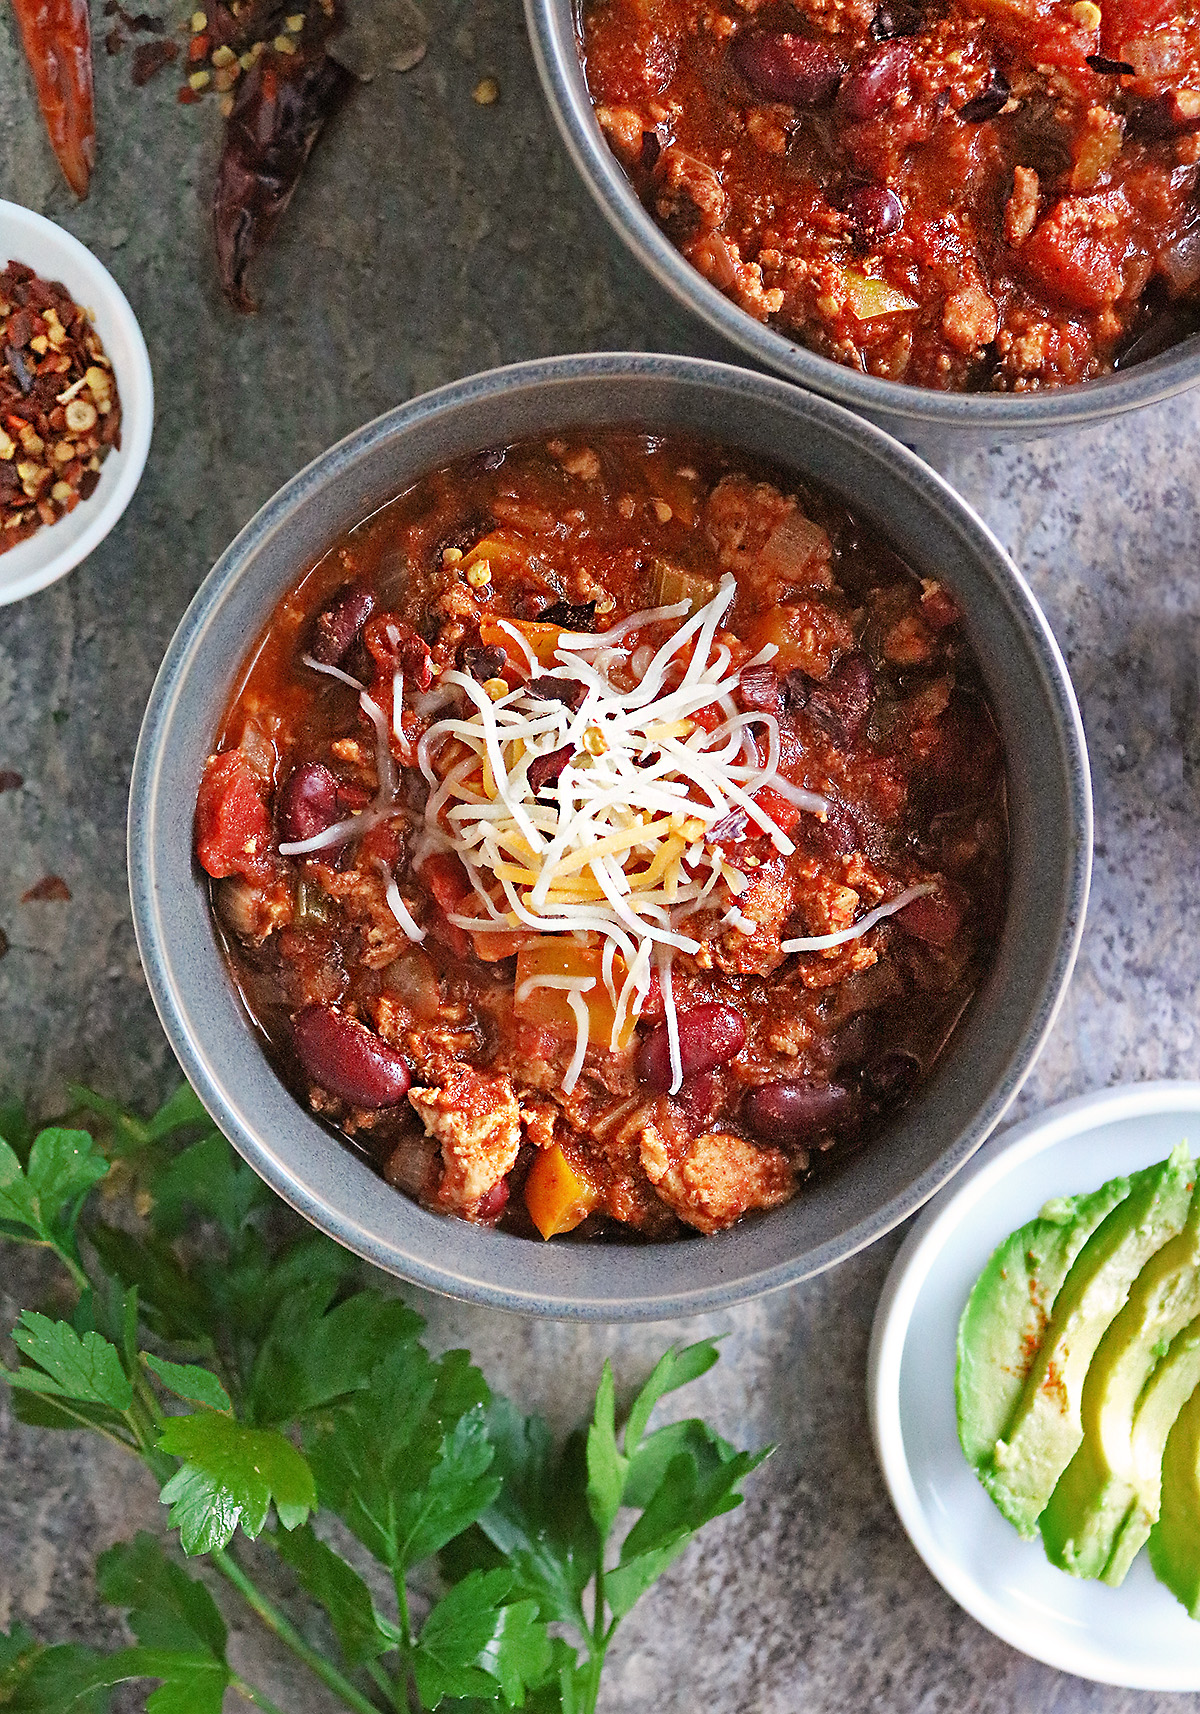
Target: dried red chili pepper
x,y
57,38
282,104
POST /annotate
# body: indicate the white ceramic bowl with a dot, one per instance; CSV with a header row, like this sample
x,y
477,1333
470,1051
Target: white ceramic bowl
x,y
57,548
1138,1635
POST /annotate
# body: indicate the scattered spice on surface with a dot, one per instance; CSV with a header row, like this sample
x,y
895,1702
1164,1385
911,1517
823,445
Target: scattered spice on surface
x,y
3,943
60,414
10,780
150,57
50,887
486,92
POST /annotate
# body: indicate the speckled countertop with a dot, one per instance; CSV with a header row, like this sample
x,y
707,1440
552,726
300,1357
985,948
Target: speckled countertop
x,y
433,237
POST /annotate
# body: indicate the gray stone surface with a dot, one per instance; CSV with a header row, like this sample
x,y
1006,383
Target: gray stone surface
x,y
433,237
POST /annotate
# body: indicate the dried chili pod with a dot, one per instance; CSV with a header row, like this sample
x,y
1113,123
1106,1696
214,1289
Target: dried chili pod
x,y
281,106
57,38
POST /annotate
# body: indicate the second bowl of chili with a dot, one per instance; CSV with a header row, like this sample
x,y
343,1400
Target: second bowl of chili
x,y
954,219
395,619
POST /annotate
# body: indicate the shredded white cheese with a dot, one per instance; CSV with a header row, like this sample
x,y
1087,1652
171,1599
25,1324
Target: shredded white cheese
x,y
818,942
612,840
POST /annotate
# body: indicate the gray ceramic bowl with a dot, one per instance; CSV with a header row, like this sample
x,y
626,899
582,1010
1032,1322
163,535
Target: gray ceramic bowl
x,y
916,415
993,1048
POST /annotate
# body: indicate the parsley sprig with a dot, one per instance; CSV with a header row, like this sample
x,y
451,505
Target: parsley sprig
x,y
278,1398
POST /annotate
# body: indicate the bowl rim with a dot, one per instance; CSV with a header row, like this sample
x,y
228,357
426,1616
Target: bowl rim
x,y
185,1032
137,397
553,33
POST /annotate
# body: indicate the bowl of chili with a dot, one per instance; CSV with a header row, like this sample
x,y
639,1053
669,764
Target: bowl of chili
x,y
209,694
62,491
874,195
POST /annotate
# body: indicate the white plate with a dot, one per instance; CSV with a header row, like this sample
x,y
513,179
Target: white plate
x,y
53,550
1138,1635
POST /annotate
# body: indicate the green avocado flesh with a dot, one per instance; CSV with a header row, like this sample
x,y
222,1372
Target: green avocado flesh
x,y
1099,1505
1175,1537
1043,1427
1009,1309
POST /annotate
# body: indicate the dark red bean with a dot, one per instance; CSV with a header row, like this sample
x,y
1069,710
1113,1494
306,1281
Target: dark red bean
x,y
338,626
349,1060
797,688
551,688
544,770
708,1035
485,663
895,19
700,1099
876,211
758,690
308,802
492,1206
785,1112
934,918
988,103
874,83
892,1075
788,68
840,704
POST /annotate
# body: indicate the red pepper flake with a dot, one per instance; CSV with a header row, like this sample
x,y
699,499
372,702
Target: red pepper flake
x,y
59,409
115,40
198,49
151,57
3,943
187,96
10,780
50,887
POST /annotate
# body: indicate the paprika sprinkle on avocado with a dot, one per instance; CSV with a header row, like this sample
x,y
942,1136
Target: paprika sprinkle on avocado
x,y
606,834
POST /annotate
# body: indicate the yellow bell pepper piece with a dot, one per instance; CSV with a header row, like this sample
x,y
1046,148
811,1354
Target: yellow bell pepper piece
x,y
868,298
549,1008
558,1198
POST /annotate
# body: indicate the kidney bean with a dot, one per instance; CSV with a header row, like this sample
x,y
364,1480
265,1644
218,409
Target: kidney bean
x,y
838,835
492,1206
782,67
892,1075
797,687
895,19
700,1098
785,1111
872,86
308,803
934,918
485,663
349,1060
758,690
876,211
709,1034
338,626
989,102
841,703
544,770
551,688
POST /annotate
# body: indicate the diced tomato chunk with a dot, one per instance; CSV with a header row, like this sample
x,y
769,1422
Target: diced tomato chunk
x,y
1077,250
782,811
445,877
233,829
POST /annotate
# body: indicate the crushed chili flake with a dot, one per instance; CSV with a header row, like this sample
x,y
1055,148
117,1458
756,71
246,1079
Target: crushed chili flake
x,y
151,57
49,887
60,414
10,780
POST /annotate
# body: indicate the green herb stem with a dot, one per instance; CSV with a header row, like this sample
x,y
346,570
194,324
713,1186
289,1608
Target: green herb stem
x,y
254,1695
289,1635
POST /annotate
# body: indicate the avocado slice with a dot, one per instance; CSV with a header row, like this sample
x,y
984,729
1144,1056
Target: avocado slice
x,y
1045,1429
1096,1493
1008,1312
1175,1537
1167,1391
